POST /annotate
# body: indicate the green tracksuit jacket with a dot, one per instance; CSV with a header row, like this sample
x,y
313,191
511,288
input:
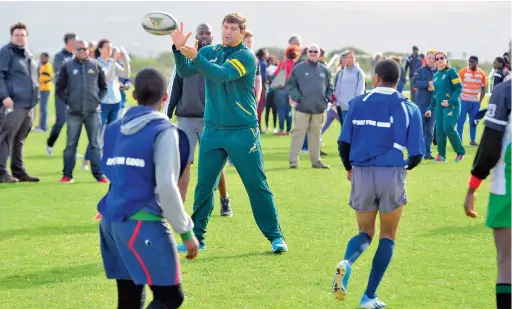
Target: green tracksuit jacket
x,y
447,86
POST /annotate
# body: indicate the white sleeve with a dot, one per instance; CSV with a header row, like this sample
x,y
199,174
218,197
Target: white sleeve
x,y
167,172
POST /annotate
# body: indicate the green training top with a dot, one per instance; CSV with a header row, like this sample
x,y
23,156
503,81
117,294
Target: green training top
x,y
447,86
230,74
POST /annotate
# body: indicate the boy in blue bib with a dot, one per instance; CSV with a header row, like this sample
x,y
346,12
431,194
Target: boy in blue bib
x,y
141,158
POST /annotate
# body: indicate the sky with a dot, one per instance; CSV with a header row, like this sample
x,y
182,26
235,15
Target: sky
x,y
479,28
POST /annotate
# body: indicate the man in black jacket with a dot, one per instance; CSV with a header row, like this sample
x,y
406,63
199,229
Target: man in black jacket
x,y
412,64
82,86
19,92
186,100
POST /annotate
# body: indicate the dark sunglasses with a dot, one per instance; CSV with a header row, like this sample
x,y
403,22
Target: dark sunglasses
x,y
313,51
81,48
440,58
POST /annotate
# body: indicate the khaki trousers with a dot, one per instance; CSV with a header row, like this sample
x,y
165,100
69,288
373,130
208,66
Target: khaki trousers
x,y
310,124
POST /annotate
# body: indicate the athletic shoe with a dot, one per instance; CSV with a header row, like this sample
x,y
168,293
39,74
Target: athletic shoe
x,y
66,179
371,303
26,178
340,282
320,165
294,165
459,158
428,157
183,248
322,153
440,159
278,245
275,131
102,179
225,207
49,150
473,143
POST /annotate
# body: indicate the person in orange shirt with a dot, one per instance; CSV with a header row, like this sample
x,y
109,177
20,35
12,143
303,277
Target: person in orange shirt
x,y
474,82
45,85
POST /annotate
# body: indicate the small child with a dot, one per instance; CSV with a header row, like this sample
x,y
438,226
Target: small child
x,y
141,158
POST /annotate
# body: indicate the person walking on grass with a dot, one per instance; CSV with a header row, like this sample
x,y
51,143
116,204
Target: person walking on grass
x,y
378,127
446,108
45,86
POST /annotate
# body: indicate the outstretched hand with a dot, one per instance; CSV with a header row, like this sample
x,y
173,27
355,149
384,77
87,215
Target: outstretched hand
x,y
179,38
190,52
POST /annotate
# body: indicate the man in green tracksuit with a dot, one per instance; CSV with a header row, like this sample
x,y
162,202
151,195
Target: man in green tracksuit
x,y
231,125
446,106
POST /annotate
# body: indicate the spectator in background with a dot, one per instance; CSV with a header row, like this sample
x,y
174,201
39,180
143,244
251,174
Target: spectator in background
x,y
282,96
302,55
349,83
114,67
92,48
262,56
412,64
403,79
311,88
45,85
82,97
60,107
474,81
423,60
270,102
248,41
19,89
322,57
499,71
124,83
422,81
378,57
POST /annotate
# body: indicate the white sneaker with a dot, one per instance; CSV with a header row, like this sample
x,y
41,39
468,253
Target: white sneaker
x,y
49,150
85,165
275,130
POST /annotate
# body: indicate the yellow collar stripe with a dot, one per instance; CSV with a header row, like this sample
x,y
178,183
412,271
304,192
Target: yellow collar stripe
x,y
239,65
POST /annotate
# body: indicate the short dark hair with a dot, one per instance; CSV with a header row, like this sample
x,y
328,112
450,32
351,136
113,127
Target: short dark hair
x,y
261,52
235,18
149,87
248,34
18,25
422,55
69,36
473,58
415,47
389,71
45,55
500,60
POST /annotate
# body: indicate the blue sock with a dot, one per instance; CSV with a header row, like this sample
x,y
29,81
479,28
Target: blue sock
x,y
356,247
380,264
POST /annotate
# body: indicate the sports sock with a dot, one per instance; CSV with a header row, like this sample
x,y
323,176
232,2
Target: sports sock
x,y
356,246
380,264
503,295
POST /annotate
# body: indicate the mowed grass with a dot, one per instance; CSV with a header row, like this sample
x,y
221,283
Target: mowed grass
x,y
50,257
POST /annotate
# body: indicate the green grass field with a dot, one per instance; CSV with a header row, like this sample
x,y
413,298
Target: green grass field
x,y
49,244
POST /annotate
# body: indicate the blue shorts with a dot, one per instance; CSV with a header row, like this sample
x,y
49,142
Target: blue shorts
x,y
141,251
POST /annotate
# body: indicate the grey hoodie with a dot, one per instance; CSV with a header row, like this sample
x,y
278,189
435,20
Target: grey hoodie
x,y
349,83
167,170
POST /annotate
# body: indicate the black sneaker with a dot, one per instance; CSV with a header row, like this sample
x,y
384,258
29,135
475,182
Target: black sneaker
x,y
473,143
429,157
225,207
322,153
320,165
27,178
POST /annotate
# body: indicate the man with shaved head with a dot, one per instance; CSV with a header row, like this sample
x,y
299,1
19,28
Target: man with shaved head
x,y
311,88
186,101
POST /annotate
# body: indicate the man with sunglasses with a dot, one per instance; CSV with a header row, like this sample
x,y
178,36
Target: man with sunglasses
x,y
474,81
311,88
82,86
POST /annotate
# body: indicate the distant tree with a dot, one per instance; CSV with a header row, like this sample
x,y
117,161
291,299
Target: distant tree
x,y
276,51
356,50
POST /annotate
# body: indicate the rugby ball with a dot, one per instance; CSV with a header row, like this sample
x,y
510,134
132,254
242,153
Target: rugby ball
x,y
159,23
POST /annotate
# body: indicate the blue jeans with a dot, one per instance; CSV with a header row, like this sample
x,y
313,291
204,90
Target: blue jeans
x,y
468,108
109,113
61,114
43,110
284,109
428,133
93,127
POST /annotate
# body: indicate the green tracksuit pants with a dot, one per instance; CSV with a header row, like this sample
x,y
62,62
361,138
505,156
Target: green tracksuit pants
x,y
243,147
446,122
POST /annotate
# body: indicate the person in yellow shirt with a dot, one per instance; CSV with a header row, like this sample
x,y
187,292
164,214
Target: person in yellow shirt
x,y
45,82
